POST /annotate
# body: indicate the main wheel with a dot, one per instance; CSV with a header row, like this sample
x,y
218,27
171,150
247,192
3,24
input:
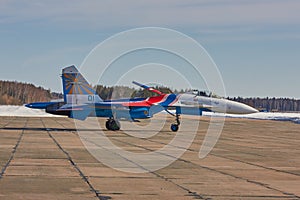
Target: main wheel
x,y
115,125
174,127
107,124
112,125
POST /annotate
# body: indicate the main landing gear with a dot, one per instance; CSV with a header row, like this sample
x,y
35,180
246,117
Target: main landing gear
x,y
112,124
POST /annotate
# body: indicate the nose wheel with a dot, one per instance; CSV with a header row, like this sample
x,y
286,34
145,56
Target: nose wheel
x,y
112,124
174,127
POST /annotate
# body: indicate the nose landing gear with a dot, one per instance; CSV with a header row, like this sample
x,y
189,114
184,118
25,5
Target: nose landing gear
x,y
175,126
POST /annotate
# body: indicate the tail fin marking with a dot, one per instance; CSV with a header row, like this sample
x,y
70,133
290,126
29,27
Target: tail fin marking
x,y
76,88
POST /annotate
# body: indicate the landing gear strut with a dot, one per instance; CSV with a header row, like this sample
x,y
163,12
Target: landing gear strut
x,y
112,124
175,126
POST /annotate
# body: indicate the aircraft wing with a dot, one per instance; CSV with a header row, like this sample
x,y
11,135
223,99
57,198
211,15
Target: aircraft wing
x,y
136,104
190,105
148,88
71,107
80,112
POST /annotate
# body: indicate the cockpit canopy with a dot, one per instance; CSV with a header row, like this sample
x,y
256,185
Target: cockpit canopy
x,y
205,93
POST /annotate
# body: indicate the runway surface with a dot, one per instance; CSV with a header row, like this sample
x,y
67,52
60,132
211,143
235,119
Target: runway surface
x,y
44,158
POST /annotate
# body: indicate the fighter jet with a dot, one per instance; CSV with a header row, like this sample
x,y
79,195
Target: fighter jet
x,y
81,101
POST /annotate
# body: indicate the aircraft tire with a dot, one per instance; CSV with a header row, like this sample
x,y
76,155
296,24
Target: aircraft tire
x,y
107,124
115,125
112,125
174,127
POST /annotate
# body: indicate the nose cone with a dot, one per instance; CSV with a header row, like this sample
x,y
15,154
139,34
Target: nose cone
x,y
38,105
28,105
239,108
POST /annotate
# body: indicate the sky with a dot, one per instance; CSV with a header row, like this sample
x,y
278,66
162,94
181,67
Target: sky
x,y
254,43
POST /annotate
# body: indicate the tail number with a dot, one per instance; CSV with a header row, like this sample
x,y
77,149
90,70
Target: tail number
x,y
91,98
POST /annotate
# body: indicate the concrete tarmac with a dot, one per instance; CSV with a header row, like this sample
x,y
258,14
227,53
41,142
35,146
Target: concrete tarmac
x,y
44,158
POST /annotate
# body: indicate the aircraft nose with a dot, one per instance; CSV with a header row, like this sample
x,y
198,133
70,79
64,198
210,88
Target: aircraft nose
x,y
249,109
28,105
240,108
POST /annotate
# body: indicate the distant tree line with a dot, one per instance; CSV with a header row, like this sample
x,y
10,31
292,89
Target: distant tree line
x,y
271,104
16,93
